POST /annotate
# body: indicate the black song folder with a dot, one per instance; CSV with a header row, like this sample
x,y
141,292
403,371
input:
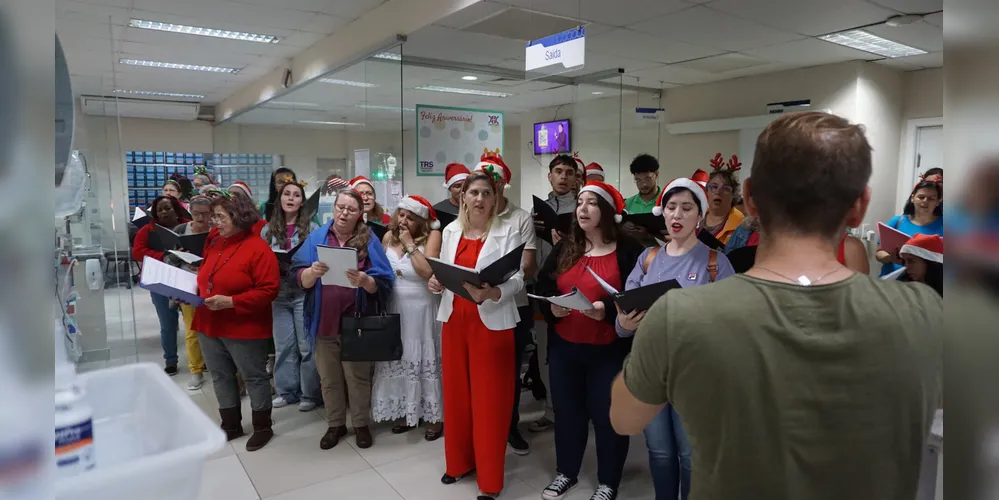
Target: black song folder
x,y
654,224
452,276
742,259
544,213
446,218
642,298
284,256
709,240
379,229
162,239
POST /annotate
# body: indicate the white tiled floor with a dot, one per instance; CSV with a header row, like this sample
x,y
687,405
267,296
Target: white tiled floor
x,y
292,467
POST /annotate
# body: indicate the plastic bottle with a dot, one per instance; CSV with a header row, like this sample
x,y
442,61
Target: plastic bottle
x,y
74,426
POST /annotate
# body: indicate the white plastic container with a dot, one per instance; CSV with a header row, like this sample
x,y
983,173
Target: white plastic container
x,y
153,440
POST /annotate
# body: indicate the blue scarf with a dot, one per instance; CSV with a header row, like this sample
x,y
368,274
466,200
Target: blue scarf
x,y
378,268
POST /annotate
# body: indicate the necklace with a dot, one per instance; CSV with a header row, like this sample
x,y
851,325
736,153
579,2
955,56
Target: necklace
x,y
215,269
801,280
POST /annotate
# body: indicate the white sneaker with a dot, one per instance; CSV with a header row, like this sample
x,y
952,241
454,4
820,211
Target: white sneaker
x,y
304,405
279,402
197,380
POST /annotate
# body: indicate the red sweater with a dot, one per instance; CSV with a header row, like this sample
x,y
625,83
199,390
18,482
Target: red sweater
x,y
250,276
214,232
140,247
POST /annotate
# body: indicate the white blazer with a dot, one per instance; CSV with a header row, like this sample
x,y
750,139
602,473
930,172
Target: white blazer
x,y
503,238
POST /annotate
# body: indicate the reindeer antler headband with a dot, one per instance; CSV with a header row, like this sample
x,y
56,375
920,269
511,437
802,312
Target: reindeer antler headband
x,y
718,163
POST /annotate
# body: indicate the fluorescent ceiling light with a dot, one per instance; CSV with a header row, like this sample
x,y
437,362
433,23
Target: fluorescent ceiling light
x,y
598,93
384,108
349,83
389,56
469,78
159,94
292,103
455,90
195,30
320,122
170,65
867,42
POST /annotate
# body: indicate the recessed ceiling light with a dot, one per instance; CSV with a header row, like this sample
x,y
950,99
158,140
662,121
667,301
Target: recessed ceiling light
x,y
390,56
867,42
170,65
455,90
469,78
336,81
292,103
195,30
159,94
384,108
320,122
598,93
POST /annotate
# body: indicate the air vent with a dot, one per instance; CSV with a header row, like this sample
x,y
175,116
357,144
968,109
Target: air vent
x,y
138,108
519,24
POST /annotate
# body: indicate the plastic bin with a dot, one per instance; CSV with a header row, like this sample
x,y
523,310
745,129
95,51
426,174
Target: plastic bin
x,y
151,439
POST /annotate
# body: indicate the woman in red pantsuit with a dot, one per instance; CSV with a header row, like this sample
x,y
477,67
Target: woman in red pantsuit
x,y
478,340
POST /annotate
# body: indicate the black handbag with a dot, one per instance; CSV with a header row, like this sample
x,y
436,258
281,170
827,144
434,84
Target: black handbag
x,y
376,337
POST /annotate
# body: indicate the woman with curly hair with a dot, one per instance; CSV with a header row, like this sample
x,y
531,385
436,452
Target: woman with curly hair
x,y
239,280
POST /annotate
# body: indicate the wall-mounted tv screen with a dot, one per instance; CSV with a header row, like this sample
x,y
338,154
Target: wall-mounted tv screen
x,y
552,137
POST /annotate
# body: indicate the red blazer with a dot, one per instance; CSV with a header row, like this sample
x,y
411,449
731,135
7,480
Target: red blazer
x,y
250,276
140,247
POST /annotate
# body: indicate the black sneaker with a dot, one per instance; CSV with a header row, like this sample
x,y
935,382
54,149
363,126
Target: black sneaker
x,y
604,492
558,487
518,443
171,370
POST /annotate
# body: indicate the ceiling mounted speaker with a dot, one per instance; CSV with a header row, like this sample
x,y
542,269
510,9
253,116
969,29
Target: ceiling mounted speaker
x,y
64,112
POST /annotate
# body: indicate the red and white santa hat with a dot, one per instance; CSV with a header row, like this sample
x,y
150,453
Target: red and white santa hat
x,y
594,169
609,193
695,187
925,246
360,179
495,161
579,162
454,172
421,208
701,177
241,185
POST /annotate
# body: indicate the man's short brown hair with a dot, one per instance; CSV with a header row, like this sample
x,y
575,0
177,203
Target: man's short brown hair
x,y
809,170
240,209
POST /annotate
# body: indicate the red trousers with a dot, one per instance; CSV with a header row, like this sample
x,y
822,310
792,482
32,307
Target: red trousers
x,y
478,384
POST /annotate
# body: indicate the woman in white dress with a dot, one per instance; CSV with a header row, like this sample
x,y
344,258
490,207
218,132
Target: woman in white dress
x,y
409,390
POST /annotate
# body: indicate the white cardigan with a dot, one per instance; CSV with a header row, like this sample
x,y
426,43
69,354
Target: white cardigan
x,y
503,238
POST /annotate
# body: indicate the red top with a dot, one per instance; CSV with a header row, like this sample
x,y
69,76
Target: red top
x,y
576,327
841,251
140,247
245,268
467,255
214,231
386,219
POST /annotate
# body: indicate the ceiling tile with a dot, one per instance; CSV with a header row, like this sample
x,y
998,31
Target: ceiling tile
x,y
724,62
809,52
704,27
921,35
445,43
471,15
808,17
931,60
352,9
304,5
900,64
912,6
617,13
672,74
635,45
934,19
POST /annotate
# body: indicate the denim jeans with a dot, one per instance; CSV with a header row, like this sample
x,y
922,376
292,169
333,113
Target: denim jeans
x,y
295,375
669,455
169,324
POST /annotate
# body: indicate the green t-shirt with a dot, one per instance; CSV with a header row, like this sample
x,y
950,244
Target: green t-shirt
x,y
791,393
636,205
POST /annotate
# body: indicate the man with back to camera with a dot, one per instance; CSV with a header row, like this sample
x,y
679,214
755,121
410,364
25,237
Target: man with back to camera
x,y
829,395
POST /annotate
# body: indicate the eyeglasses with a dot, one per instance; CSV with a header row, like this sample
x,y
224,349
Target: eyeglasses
x,y
715,188
219,218
644,177
347,208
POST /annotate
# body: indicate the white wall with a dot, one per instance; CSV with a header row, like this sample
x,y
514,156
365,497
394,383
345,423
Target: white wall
x,y
922,94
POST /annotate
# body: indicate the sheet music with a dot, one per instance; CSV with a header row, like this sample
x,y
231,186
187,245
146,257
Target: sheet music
x,y
574,300
894,275
340,260
138,214
603,284
157,272
187,257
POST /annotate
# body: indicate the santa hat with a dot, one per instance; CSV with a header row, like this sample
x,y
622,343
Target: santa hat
x,y
241,185
683,182
594,169
579,162
498,165
701,177
360,179
455,172
925,246
421,208
609,194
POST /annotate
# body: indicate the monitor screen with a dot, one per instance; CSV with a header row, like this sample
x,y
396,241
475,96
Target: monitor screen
x,y
552,137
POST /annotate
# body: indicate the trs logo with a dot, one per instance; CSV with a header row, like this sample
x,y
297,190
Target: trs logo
x,y
426,165
493,119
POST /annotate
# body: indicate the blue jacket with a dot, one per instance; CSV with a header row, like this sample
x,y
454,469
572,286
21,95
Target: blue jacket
x,y
378,268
